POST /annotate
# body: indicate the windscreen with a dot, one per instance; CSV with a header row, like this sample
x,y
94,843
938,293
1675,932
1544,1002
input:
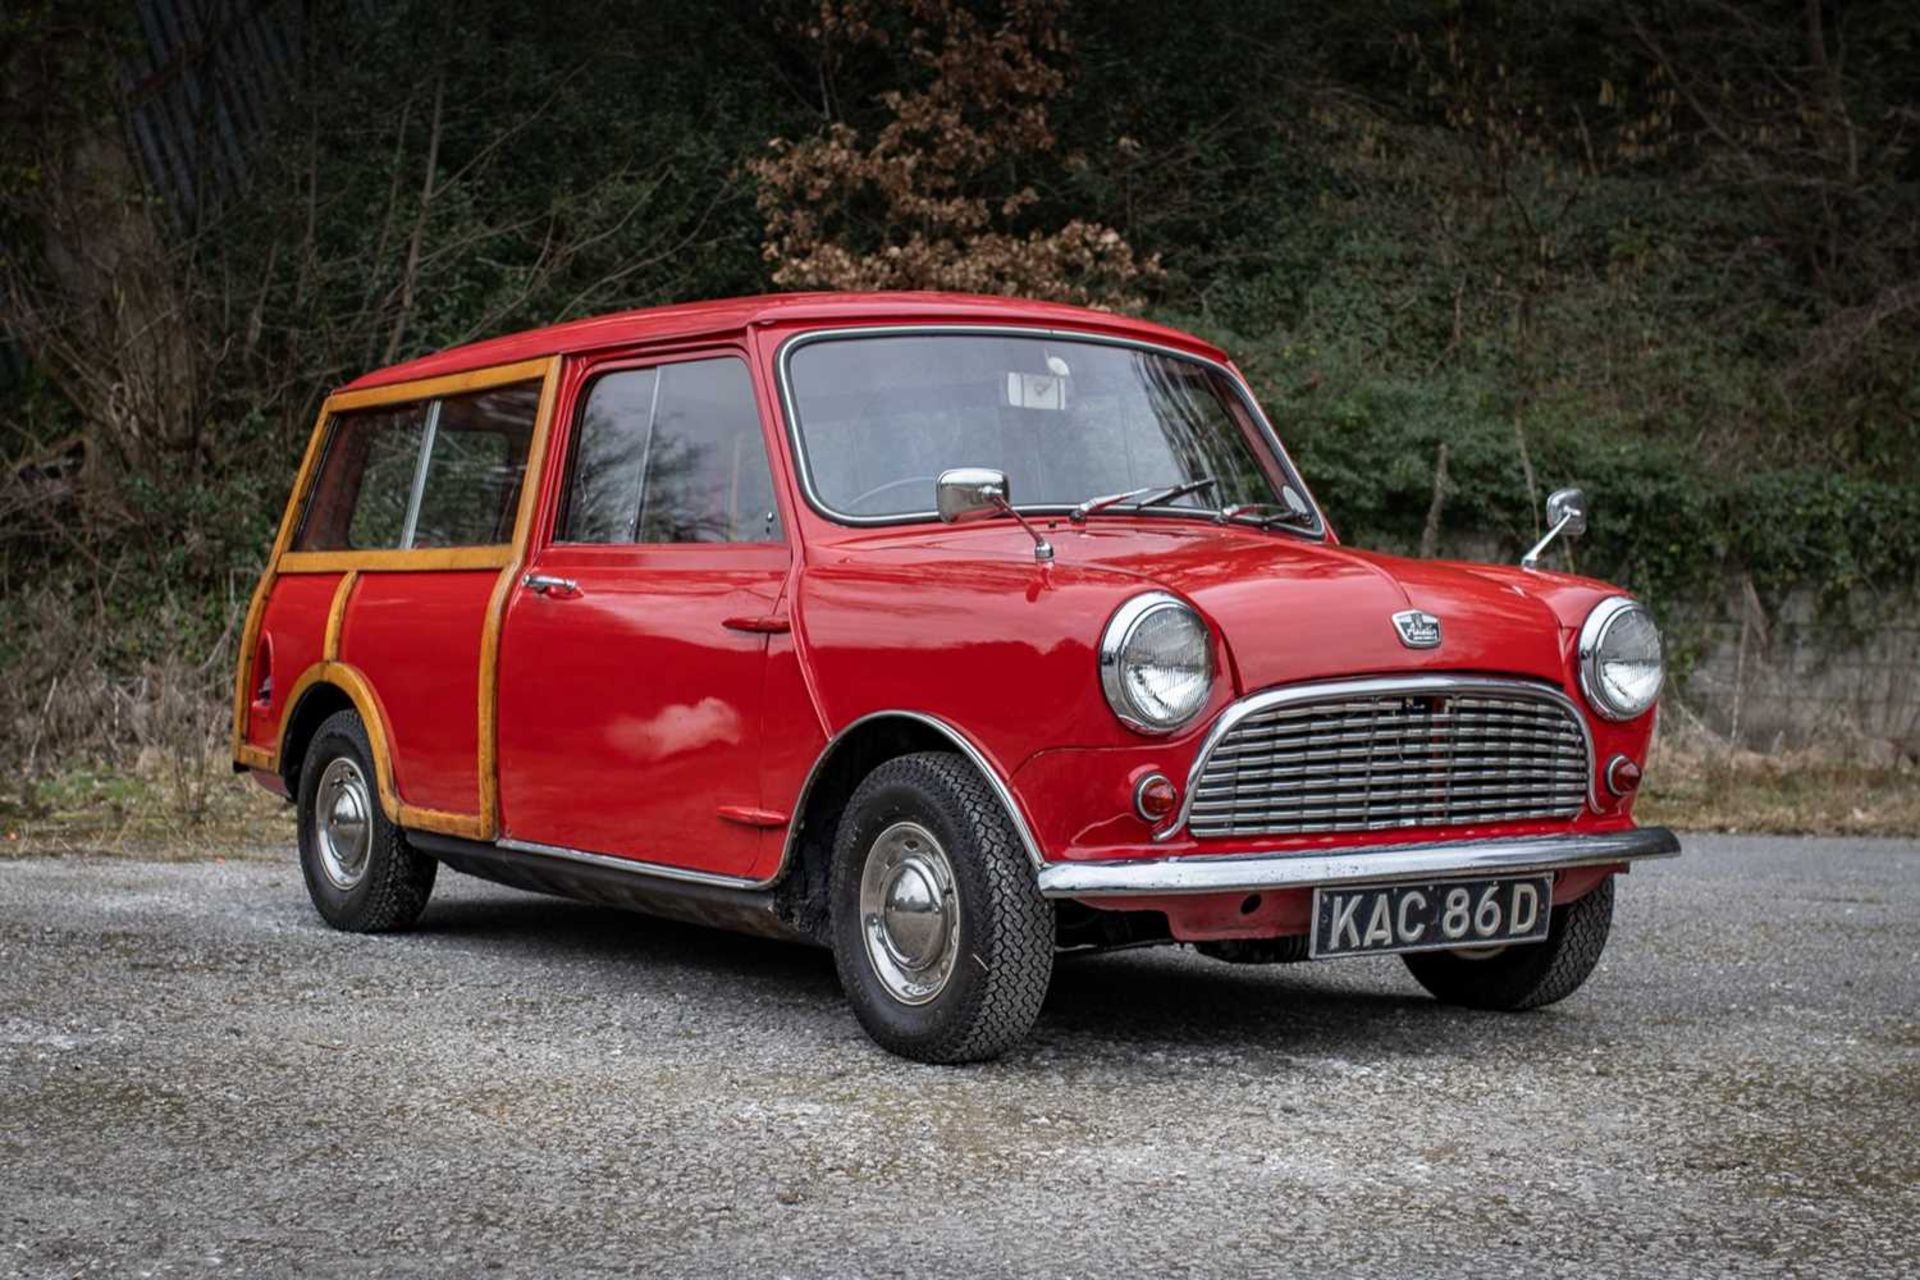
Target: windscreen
x,y
1068,420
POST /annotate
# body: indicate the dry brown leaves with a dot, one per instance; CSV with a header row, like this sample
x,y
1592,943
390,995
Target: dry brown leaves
x,y
924,203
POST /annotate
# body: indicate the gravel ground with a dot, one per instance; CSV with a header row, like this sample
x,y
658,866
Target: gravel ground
x,y
196,1076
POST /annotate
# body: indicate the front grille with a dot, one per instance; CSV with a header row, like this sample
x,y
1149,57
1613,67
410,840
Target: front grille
x,y
1393,757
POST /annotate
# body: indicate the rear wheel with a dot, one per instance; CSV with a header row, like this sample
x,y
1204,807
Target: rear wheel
x,y
361,873
942,940
1525,976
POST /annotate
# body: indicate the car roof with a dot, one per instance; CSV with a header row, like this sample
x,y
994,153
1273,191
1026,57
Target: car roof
x,y
732,315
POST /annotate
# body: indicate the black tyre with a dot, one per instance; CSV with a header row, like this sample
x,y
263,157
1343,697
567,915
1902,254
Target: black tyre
x,y
1526,976
943,942
361,873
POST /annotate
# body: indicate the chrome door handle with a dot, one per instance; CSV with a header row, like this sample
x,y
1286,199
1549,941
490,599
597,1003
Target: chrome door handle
x,y
547,585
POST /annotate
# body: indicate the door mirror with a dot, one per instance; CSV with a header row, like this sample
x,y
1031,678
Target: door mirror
x,y
979,493
971,493
1567,512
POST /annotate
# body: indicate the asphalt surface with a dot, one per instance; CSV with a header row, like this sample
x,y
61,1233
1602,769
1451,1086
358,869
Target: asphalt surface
x,y
196,1076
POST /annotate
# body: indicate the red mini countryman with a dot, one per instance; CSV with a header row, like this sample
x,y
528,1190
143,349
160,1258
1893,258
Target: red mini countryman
x,y
950,633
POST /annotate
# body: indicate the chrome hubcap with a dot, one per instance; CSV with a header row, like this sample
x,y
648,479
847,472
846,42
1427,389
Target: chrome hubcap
x,y
343,823
909,913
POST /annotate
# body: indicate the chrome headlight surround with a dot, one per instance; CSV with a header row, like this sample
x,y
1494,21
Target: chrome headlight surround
x,y
1619,630
1139,638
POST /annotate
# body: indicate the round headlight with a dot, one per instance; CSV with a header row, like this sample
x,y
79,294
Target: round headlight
x,y
1620,662
1156,663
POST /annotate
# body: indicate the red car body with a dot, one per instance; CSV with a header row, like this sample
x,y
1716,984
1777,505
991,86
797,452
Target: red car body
x,y
693,712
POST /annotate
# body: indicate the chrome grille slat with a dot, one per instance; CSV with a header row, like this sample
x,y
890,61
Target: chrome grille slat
x,y
1369,734
1365,789
1494,752
1295,777
1297,820
1394,757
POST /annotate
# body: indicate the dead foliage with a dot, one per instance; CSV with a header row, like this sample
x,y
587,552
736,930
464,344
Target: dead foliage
x,y
1699,781
928,199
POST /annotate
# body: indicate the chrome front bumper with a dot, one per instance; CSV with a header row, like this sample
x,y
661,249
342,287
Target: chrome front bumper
x,y
1370,864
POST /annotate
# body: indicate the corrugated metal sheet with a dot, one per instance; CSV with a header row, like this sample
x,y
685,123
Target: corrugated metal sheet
x,y
202,89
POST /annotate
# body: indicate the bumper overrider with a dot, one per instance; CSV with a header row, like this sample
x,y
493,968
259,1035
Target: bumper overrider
x,y
1360,864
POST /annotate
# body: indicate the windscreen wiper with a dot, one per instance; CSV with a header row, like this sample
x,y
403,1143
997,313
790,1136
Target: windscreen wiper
x,y
1266,514
1080,513
1138,498
1171,492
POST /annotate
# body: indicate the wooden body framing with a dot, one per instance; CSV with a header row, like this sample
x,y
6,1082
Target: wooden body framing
x,y
351,565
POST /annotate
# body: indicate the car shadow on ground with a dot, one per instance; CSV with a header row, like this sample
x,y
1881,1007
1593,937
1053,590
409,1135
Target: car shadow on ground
x,y
1171,998
1156,997
527,925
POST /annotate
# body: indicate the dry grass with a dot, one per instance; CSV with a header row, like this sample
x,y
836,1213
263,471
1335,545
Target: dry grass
x,y
1696,782
148,811
131,764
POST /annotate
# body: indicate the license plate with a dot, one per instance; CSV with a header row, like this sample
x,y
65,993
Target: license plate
x,y
1382,919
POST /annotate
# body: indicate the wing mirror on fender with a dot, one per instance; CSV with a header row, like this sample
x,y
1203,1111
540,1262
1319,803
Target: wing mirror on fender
x,y
1566,513
970,493
965,494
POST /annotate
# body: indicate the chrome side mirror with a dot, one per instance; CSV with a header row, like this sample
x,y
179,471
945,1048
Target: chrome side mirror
x,y
1566,513
979,493
970,493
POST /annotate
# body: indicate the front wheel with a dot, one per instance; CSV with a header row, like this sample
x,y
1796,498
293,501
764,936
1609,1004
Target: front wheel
x,y
361,873
1526,976
942,940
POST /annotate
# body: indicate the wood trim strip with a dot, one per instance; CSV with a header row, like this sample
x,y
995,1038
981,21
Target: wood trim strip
x,y
530,491
389,560
469,826
257,607
359,691
446,385
337,614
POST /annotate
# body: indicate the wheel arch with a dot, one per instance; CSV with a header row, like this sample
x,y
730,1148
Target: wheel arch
x,y
855,751
323,690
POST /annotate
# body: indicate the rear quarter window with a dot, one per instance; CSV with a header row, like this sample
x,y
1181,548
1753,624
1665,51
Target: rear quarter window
x,y
360,495
433,473
479,455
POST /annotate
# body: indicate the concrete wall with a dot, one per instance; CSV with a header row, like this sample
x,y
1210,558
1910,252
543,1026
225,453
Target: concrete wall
x,y
1786,679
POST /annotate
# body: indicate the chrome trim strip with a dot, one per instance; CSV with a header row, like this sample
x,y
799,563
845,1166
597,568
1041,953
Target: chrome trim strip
x,y
1370,686
410,523
803,468
1246,873
947,731
658,871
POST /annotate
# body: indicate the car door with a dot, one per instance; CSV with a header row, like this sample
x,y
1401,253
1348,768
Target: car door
x,y
634,649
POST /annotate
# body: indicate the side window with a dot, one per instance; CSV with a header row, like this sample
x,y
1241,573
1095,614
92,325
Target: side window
x,y
359,498
671,454
443,473
474,468
603,493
